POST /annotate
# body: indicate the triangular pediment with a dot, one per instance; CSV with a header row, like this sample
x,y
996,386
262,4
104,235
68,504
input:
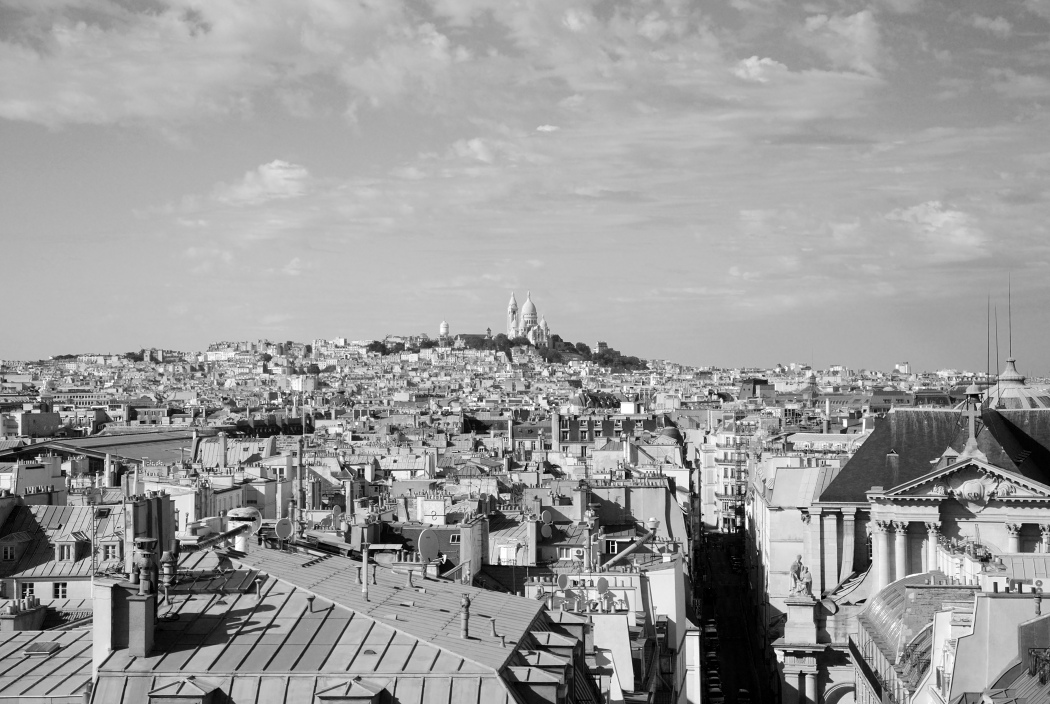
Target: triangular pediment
x,y
971,480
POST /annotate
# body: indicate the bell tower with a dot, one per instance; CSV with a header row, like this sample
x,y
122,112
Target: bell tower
x,y
512,317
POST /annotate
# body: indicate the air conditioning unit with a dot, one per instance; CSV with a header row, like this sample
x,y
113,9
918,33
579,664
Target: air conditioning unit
x,y
579,553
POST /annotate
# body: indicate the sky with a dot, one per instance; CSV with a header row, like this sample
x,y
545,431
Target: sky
x,y
733,182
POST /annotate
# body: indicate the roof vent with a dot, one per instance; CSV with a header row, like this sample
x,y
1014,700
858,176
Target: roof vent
x,y
43,647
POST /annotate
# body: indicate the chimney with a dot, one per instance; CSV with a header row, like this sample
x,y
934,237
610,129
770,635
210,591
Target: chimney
x,y
893,464
408,578
464,624
222,451
583,496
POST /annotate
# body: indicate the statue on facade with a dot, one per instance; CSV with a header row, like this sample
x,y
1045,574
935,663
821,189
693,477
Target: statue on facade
x,y
796,575
807,582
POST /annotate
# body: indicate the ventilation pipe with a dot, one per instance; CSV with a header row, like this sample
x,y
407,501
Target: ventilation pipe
x,y
464,623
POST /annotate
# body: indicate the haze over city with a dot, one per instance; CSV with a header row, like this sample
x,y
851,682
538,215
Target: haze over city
x,y
731,183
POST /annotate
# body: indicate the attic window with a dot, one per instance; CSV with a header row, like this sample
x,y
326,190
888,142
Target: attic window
x,y
950,460
102,513
42,647
369,652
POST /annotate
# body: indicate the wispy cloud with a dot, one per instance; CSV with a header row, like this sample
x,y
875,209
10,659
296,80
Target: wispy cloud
x,y
275,180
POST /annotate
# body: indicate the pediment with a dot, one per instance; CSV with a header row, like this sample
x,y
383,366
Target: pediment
x,y
973,483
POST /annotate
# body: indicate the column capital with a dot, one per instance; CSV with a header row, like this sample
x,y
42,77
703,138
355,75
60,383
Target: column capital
x,y
1044,528
815,510
805,517
901,527
933,526
849,513
882,526
1014,528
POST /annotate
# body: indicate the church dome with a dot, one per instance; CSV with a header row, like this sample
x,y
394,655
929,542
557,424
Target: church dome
x,y
1012,391
443,329
528,308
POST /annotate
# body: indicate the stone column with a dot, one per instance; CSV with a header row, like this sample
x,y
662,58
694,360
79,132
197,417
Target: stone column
x,y
933,536
849,530
900,550
881,552
811,687
816,548
831,554
1013,537
1044,534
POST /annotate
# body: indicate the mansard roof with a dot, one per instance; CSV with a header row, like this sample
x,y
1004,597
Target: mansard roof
x,y
1017,441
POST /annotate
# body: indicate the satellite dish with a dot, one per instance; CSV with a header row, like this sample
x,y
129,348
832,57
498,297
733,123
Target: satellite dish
x,y
427,545
546,517
563,581
603,585
245,514
283,529
545,530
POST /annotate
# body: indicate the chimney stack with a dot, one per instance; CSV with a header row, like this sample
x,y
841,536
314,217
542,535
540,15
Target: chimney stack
x,y
464,624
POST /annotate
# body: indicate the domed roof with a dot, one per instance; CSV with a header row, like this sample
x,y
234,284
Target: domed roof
x,y
529,308
884,616
443,329
672,432
1012,391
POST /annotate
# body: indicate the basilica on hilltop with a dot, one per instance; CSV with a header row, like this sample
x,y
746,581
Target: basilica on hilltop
x,y
530,325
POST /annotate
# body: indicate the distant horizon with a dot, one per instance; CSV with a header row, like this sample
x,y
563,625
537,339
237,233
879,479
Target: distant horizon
x,y
714,183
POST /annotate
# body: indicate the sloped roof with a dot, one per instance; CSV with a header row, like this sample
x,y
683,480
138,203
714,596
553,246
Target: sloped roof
x,y
48,525
1014,440
433,617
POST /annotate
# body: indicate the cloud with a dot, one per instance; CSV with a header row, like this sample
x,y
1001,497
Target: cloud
x,y
293,268
903,7
161,63
758,70
547,128
998,26
1020,86
276,180
946,235
852,41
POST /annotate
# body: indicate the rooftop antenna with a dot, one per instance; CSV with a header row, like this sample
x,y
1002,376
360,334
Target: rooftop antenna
x,y
997,367
1009,316
988,344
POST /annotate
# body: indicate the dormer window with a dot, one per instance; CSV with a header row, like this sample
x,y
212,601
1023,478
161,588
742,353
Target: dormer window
x,y
67,552
8,553
949,460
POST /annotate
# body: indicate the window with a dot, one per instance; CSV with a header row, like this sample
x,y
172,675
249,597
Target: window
x,y
253,502
564,553
9,553
65,552
59,590
28,589
110,551
454,539
611,546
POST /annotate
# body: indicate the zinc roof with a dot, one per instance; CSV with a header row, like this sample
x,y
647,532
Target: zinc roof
x,y
430,611
64,673
48,525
